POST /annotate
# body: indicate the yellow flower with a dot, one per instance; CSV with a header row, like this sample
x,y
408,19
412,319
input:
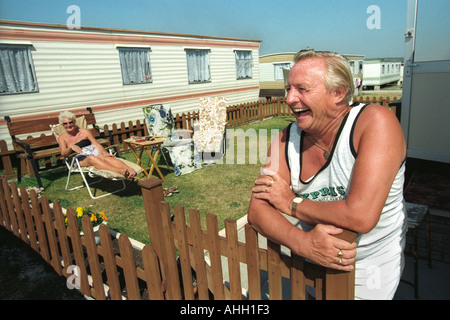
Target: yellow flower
x,y
93,218
79,212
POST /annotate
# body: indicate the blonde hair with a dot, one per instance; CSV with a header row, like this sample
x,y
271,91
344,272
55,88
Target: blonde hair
x,y
338,71
66,115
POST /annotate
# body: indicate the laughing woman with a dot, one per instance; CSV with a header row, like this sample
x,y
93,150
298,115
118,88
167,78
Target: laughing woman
x,y
89,151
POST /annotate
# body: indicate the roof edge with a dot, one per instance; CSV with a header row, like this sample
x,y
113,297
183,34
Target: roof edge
x,y
112,30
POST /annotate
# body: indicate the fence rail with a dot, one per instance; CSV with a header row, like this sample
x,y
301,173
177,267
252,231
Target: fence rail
x,y
237,115
107,272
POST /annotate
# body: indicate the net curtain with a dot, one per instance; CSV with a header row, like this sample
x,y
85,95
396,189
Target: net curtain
x,y
243,64
16,72
198,65
135,65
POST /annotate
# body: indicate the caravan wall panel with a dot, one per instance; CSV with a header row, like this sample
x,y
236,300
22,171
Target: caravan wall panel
x,y
76,69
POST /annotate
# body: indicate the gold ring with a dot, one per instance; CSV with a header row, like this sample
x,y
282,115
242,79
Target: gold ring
x,y
267,188
340,254
271,183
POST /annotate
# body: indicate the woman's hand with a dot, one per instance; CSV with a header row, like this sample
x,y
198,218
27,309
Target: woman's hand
x,y
320,246
76,148
271,187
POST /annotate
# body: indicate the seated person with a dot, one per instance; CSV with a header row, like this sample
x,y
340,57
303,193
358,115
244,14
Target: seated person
x,y
89,151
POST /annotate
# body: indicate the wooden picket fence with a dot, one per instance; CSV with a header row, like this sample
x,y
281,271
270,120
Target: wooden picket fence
x,y
105,273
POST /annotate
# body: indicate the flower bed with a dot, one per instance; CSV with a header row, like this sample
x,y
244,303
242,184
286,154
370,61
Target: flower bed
x,y
97,218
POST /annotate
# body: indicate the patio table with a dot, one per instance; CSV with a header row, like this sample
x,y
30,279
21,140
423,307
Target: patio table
x,y
147,144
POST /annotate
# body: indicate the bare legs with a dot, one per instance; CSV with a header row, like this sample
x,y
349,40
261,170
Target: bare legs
x,y
108,163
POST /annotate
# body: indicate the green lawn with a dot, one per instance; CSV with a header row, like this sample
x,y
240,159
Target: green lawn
x,y
222,189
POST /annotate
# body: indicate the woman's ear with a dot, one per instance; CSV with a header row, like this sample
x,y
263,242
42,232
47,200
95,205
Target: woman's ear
x,y
340,93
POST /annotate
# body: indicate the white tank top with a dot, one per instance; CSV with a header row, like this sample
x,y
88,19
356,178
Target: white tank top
x,y
379,259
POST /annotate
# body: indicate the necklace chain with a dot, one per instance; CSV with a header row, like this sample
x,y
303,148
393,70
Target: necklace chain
x,y
317,144
326,151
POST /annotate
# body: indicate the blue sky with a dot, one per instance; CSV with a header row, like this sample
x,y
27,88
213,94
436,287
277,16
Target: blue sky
x,y
283,26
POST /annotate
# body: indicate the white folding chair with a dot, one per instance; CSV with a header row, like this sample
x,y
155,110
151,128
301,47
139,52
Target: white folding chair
x,y
73,166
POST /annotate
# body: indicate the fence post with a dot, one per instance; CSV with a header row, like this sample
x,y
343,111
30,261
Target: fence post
x,y
241,114
278,107
152,193
260,111
340,285
6,155
161,234
183,121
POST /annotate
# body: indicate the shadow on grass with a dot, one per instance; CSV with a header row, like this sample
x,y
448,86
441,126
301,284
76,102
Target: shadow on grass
x,y
26,276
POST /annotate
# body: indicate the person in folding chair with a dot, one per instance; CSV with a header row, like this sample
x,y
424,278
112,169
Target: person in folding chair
x,y
89,151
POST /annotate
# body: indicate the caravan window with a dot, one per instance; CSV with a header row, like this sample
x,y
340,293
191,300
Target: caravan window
x,y
135,65
243,64
198,65
278,68
17,71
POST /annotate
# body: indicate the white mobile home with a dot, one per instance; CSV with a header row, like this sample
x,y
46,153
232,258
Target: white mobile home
x,y
378,72
425,109
271,68
356,63
50,68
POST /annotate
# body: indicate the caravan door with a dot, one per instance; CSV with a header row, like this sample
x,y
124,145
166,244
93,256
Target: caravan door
x,y
425,113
